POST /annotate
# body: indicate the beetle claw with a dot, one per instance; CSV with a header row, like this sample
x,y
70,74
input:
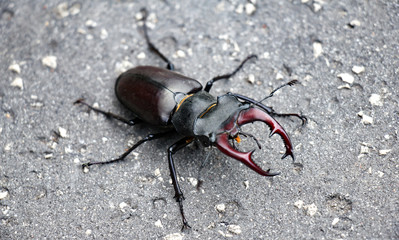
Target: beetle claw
x,y
248,116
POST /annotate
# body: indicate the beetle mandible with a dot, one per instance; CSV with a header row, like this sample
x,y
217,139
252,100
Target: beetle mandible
x,y
162,97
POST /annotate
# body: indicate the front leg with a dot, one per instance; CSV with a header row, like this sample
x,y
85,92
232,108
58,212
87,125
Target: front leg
x,y
178,193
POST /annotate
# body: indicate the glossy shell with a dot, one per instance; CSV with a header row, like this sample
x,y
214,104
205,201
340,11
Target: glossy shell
x,y
149,92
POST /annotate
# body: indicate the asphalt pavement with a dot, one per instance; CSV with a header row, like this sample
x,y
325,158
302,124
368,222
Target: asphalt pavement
x,y
342,185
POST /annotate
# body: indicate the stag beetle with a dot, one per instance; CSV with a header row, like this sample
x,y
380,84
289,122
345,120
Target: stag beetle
x,y
162,97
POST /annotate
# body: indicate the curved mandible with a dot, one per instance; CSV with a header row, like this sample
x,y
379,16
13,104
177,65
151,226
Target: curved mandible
x,y
246,116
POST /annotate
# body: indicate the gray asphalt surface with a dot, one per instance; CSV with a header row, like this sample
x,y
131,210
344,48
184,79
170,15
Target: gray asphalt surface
x,y
343,184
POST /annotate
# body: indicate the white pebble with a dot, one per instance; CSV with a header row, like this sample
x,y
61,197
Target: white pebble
x,y
384,151
91,24
104,33
18,82
251,78
316,7
346,77
75,8
335,221
375,99
358,69
3,194
123,205
354,23
141,55
364,150
366,120
317,49
235,229
62,10
299,204
279,76
250,8
311,209
193,181
240,8
181,54
158,223
15,68
63,132
174,236
220,207
50,61
157,172
88,232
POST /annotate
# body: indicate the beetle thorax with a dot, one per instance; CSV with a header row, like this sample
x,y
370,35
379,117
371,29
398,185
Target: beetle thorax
x,y
202,115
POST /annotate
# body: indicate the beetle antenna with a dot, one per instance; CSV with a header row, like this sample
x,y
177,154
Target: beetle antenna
x,y
290,83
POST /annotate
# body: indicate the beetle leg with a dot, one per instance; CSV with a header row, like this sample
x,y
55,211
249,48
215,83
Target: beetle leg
x,y
152,47
209,84
122,157
130,122
178,193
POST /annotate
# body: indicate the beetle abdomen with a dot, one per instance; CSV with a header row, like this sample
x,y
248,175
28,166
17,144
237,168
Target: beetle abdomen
x,y
149,92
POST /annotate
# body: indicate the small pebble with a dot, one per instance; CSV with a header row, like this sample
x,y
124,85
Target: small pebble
x,y
251,79
103,34
311,209
15,68
18,82
250,9
123,205
364,150
62,10
3,194
221,207
50,61
174,236
193,181
157,172
141,55
63,132
158,223
316,7
75,8
358,69
279,76
335,221
235,229
384,151
354,23
375,99
299,204
317,49
180,54
366,120
346,77
91,24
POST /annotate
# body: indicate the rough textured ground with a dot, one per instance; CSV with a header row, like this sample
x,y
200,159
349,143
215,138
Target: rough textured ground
x,y
343,185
